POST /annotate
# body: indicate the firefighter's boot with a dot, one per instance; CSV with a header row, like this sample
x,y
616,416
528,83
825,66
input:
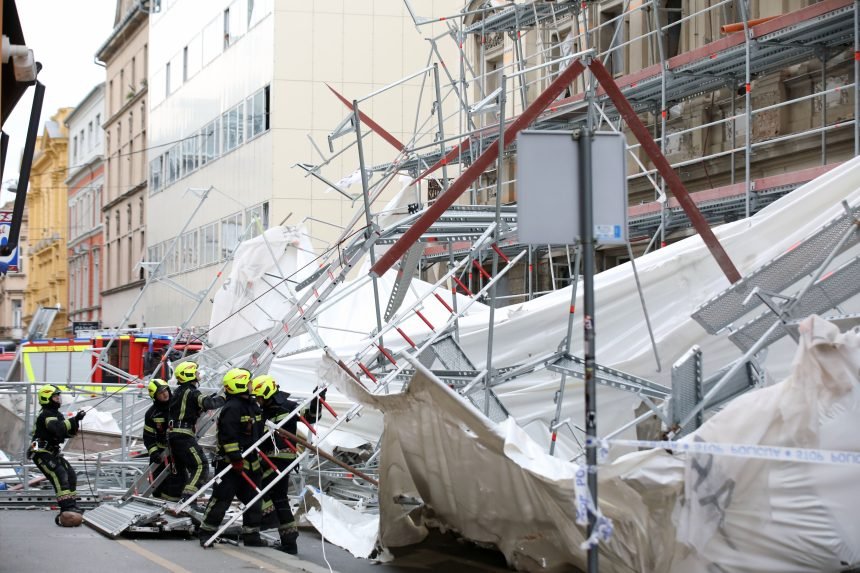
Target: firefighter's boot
x,y
288,541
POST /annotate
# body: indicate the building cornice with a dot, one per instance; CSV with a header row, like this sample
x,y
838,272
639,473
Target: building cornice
x,y
125,287
137,97
94,163
134,19
130,193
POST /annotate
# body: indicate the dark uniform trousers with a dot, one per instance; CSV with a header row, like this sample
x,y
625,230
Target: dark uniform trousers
x,y
279,493
189,459
61,474
232,485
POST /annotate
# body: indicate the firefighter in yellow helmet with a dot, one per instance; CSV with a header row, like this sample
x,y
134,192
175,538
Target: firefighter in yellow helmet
x,y
49,433
155,441
239,427
277,406
186,405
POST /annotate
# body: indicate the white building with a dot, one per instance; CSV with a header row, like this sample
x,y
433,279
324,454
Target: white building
x,y
236,88
86,180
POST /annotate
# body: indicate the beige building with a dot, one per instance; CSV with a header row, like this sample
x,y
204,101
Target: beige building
x,y
125,55
12,288
47,209
801,92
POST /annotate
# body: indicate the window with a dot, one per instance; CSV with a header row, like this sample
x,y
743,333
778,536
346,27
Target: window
x,y
209,250
155,170
84,296
128,214
672,37
212,142
73,283
17,313
172,166
189,155
131,261
226,28
132,88
613,33
91,135
75,149
167,80
185,64
258,219
231,231
96,270
116,219
83,142
190,250
141,209
107,227
258,113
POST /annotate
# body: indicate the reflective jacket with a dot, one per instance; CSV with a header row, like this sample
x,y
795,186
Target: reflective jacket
x,y
155,427
52,429
278,407
239,426
186,405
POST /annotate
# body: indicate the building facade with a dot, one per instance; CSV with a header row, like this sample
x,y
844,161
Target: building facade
x,y
85,181
238,87
47,208
125,55
801,111
13,286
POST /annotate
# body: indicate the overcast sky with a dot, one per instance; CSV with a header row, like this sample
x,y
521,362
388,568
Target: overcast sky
x,y
64,36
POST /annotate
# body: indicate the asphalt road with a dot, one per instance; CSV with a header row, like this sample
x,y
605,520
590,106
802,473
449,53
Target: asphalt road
x,y
30,542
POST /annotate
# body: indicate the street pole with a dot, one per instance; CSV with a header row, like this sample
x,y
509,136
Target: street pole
x,y
586,219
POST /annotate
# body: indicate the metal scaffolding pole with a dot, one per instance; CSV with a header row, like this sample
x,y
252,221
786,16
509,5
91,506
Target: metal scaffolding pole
x,y
368,218
500,163
748,103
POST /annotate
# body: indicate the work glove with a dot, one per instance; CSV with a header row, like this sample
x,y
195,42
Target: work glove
x,y
155,458
321,394
238,465
80,415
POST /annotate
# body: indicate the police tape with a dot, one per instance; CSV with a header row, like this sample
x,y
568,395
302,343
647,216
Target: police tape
x,y
753,451
584,505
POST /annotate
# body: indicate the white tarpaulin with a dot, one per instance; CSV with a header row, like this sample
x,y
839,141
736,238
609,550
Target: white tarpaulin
x,y
675,281
684,513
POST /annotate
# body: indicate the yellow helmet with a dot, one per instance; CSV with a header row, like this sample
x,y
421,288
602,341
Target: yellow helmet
x,y
156,385
47,392
186,372
264,386
237,381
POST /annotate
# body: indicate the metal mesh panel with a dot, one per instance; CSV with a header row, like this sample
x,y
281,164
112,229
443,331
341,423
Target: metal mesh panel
x,y
113,519
408,270
744,379
777,274
451,355
478,396
835,288
687,389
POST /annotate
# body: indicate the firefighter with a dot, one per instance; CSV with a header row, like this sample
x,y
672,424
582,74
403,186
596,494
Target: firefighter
x,y
239,427
186,405
277,406
155,440
49,433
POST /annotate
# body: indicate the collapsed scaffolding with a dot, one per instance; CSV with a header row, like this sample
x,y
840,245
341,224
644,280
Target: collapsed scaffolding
x,y
468,238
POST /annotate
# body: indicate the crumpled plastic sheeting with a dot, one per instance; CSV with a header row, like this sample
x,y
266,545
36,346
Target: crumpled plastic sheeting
x,y
492,484
250,297
766,516
352,530
672,513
